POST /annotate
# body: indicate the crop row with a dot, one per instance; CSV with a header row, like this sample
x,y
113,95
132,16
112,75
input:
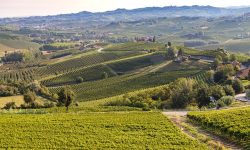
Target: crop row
x,y
19,75
72,64
122,84
93,131
87,74
232,123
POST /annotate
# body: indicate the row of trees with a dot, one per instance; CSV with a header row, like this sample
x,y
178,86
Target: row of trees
x,y
180,94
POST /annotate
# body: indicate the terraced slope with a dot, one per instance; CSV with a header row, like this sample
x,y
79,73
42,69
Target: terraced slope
x,y
125,83
86,60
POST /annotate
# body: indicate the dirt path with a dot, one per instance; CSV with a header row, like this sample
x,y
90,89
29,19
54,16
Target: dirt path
x,y
99,50
158,67
180,120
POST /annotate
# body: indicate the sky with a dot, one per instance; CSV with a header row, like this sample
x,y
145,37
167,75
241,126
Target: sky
x,y
24,8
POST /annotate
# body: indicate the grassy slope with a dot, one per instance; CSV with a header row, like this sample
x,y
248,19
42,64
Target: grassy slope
x,y
134,130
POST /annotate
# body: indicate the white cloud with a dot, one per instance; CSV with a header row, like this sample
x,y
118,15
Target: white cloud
x,y
12,8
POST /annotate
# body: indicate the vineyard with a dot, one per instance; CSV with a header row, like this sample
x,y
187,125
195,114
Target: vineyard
x,y
93,131
122,84
72,64
202,76
232,123
19,75
87,74
137,63
111,68
137,46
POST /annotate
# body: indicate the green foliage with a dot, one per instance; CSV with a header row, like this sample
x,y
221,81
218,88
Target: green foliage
x,y
89,59
231,123
225,101
10,105
57,46
8,91
79,79
22,75
217,92
229,90
182,92
66,97
248,93
14,57
223,73
129,130
238,86
203,95
29,97
122,84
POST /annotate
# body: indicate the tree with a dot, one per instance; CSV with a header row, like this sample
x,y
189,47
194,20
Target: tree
x,y
154,39
233,57
66,97
10,105
180,52
182,92
226,58
79,80
229,90
248,75
248,93
169,44
29,97
217,92
217,62
170,53
238,86
203,96
223,72
105,75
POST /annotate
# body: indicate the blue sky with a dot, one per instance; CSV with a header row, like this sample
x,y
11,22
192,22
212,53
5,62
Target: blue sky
x,y
17,8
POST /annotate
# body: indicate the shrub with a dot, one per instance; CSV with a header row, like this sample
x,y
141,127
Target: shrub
x,y
217,92
227,100
229,90
29,97
248,93
79,80
10,105
238,86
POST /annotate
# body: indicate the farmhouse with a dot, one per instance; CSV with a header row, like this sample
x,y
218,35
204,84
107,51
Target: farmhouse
x,y
243,74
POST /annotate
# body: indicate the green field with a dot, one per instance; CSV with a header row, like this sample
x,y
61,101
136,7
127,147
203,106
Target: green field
x,y
122,84
232,123
132,130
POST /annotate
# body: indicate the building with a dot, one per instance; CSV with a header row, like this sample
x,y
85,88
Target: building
x,y
243,74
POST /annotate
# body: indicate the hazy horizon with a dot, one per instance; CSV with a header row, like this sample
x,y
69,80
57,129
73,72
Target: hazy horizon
x,y
26,8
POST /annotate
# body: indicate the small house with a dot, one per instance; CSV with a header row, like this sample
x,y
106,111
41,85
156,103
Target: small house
x,y
243,74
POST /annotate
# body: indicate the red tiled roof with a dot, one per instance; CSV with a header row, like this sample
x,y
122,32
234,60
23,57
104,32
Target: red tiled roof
x,y
243,73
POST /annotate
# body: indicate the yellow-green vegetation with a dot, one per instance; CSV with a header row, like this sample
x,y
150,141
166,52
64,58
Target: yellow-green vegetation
x,y
231,123
124,130
125,83
245,82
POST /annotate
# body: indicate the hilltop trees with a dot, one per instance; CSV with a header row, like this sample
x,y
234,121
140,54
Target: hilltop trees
x,y
66,97
170,51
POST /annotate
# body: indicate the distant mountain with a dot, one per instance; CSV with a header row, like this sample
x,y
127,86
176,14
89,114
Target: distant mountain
x,y
87,19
